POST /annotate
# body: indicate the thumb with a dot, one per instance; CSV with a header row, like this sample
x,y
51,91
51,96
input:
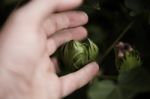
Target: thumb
x,y
76,80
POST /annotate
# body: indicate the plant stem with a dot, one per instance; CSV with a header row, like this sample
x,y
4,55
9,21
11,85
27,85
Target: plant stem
x,y
117,40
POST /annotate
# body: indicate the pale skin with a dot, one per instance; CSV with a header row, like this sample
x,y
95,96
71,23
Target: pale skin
x,y
29,37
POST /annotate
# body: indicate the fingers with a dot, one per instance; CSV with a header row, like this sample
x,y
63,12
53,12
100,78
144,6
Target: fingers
x,y
76,80
64,36
64,20
37,10
68,4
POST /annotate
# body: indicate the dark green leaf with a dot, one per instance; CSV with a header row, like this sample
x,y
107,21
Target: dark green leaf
x,y
134,82
101,89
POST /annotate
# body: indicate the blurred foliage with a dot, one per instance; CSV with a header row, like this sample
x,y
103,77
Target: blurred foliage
x,y
111,21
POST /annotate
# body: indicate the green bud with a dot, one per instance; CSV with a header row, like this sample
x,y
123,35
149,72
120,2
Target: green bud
x,y
130,61
127,58
76,54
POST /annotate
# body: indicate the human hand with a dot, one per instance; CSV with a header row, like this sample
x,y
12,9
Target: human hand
x,y
28,39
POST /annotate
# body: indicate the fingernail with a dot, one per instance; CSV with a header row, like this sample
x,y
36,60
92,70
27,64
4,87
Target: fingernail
x,y
95,68
84,17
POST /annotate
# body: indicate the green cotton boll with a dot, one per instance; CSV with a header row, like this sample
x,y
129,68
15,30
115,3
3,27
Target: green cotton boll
x,y
76,54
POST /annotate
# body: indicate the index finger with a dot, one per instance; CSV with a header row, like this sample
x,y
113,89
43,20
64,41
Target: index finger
x,y
37,10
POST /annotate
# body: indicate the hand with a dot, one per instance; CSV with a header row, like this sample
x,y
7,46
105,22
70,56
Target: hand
x,y
28,39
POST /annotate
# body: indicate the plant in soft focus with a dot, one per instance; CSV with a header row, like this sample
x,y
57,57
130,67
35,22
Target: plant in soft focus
x,y
76,54
127,58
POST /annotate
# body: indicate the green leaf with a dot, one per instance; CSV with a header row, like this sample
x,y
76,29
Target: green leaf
x,y
130,84
101,89
138,77
133,82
